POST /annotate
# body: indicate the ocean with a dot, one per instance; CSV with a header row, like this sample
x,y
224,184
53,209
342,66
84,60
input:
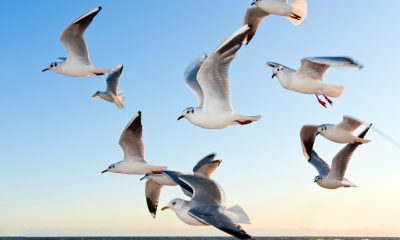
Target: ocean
x,y
192,238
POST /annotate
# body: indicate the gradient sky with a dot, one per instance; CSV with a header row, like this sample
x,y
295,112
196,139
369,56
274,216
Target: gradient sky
x,y
55,140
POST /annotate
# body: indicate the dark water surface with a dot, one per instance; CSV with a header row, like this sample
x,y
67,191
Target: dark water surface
x,y
191,238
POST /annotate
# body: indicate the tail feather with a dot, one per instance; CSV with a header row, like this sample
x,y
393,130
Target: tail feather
x,y
299,11
238,215
334,91
120,100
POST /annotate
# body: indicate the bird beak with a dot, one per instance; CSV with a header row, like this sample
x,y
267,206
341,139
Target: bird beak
x,y
317,134
253,3
94,96
180,117
164,208
315,181
144,177
273,75
105,171
217,161
44,70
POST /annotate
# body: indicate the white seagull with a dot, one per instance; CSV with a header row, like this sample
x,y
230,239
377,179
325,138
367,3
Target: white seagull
x,y
340,133
132,144
333,178
155,181
308,78
111,94
77,63
208,207
208,79
296,12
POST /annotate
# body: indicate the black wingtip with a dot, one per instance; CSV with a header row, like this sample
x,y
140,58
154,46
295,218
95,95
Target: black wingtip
x,y
139,113
99,7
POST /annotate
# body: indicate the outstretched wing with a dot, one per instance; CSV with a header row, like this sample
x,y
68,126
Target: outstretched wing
x,y
308,134
191,79
174,176
349,124
206,166
213,74
112,80
205,190
152,192
254,17
315,67
342,158
214,215
131,140
73,38
319,164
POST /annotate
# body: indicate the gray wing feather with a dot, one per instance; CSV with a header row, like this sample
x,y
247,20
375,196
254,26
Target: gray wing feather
x,y
342,158
174,176
73,38
308,134
213,74
112,80
191,79
152,192
319,164
205,190
213,215
206,166
315,67
254,17
131,140
349,124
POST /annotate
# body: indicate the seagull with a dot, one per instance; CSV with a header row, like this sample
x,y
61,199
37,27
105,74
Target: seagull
x,y
155,181
112,94
207,78
340,133
208,207
77,63
296,12
132,145
333,178
308,78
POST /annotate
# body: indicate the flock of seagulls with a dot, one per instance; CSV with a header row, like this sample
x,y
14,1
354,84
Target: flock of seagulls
x,y
207,77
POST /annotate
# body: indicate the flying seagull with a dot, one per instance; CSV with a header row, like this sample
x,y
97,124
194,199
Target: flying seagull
x,y
208,207
296,12
333,178
155,181
132,144
208,79
308,78
340,133
111,94
77,63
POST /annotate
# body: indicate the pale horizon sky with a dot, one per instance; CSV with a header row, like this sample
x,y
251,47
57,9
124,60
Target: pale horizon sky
x,y
56,140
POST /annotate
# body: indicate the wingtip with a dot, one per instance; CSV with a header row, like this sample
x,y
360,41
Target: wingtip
x,y
139,113
99,7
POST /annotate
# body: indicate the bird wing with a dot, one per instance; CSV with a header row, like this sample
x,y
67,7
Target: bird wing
x,y
152,192
205,190
191,79
73,38
349,124
113,78
321,166
206,166
342,158
315,67
308,134
213,74
131,140
254,16
215,216
174,176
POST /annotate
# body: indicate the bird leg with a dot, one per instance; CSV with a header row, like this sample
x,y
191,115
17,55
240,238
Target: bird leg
x,y
98,73
295,16
244,122
328,100
320,101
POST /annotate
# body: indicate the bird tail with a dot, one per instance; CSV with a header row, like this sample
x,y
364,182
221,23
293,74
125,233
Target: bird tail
x,y
363,141
348,183
333,90
120,100
238,215
299,11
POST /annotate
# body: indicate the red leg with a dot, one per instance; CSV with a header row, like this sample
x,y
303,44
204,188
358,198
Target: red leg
x,y
98,73
321,102
328,100
244,122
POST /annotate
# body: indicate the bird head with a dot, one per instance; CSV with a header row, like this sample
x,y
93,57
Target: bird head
x,y
52,66
174,204
96,95
324,127
254,2
111,168
187,113
277,69
317,179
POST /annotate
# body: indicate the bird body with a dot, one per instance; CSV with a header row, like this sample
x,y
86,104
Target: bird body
x,y
332,183
342,136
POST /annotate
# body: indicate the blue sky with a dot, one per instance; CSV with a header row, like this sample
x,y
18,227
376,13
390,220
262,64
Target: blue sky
x,y
56,139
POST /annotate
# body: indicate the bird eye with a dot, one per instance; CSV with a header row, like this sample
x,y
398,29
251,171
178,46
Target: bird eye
x,y
187,112
192,110
173,203
55,64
